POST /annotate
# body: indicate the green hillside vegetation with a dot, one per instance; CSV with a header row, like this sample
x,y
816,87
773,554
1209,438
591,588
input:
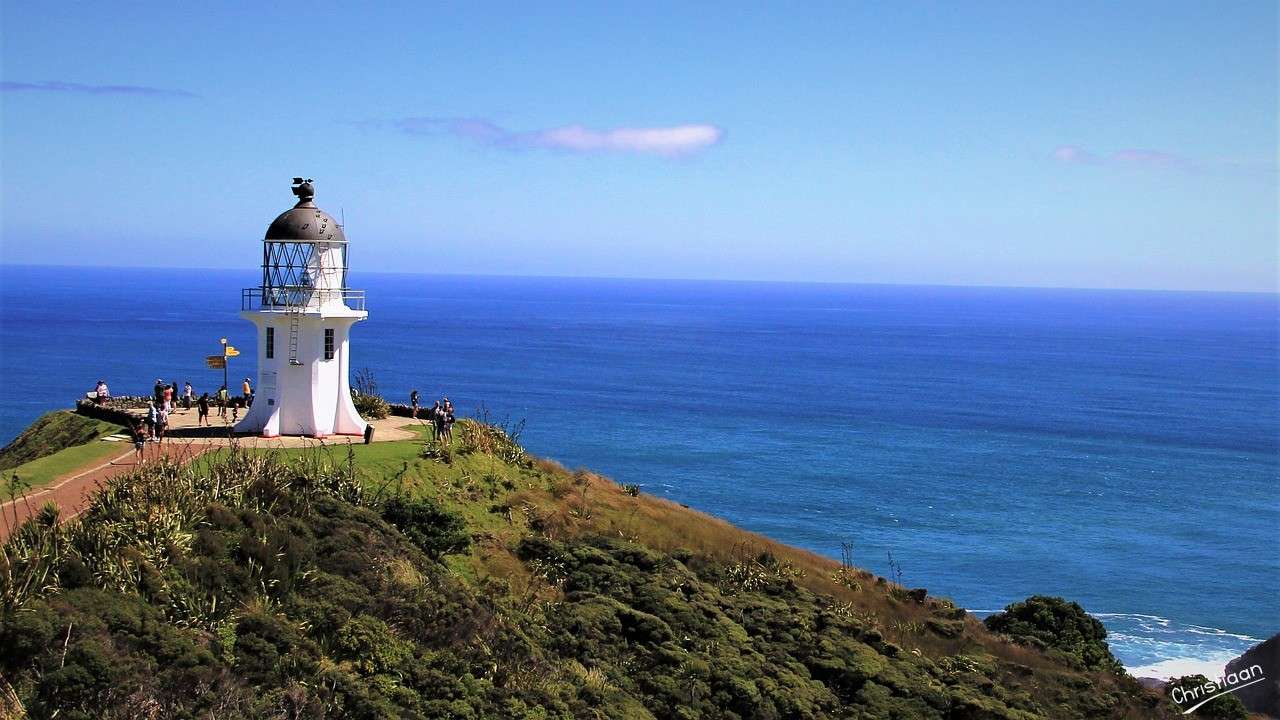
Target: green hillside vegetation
x,y
52,433
402,579
54,445
1223,707
1059,626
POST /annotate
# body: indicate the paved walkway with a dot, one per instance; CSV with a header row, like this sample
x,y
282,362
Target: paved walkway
x,y
184,442
182,426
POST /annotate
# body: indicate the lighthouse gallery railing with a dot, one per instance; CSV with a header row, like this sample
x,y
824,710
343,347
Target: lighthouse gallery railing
x,y
295,297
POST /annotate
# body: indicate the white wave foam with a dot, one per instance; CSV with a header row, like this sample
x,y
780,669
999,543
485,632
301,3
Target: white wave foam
x,y
1161,621
1215,632
1210,667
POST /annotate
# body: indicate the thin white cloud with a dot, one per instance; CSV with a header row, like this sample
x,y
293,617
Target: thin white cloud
x,y
1151,159
1162,161
673,141
1132,157
1073,155
1129,157
58,86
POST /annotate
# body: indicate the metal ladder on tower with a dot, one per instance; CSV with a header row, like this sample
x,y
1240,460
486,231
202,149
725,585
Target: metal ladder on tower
x,y
295,319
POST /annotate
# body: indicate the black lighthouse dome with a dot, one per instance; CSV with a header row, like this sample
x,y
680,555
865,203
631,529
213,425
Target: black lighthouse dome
x,y
305,222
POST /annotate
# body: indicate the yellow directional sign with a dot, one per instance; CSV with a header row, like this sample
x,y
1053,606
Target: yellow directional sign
x,y
230,352
216,362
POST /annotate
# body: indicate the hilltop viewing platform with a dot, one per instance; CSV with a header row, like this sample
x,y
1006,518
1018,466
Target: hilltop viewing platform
x,y
183,426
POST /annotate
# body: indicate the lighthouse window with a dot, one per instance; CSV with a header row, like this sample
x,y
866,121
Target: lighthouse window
x,y
271,342
328,343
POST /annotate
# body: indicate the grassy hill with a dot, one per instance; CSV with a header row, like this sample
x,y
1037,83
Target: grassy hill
x,y
56,444
406,580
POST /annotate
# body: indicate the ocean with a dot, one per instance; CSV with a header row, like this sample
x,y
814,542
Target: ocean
x,y
1120,449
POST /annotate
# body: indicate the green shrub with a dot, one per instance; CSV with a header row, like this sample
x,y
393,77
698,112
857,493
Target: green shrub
x,y
368,643
1227,707
370,407
477,436
429,525
1054,623
434,449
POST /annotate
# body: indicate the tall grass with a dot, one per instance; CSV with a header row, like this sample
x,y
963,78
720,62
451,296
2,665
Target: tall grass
x,y
502,442
136,523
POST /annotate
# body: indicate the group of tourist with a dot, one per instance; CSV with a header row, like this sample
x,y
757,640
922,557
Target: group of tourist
x,y
166,399
440,415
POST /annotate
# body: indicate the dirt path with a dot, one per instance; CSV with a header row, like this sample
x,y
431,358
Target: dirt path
x,y
72,492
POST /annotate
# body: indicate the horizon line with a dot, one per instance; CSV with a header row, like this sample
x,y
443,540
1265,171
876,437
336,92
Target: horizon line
x,y
744,281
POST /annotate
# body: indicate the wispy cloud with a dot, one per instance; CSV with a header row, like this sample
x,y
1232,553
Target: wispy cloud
x,y
1160,160
1129,157
673,141
58,86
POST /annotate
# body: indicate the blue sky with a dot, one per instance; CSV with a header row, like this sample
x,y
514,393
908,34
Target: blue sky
x,y
1074,144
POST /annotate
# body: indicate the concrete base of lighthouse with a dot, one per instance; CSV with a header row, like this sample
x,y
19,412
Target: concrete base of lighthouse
x,y
310,394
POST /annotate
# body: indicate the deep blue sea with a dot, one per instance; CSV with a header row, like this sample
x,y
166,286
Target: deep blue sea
x,y
1121,449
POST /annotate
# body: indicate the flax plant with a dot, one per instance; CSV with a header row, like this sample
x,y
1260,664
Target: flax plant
x,y
137,524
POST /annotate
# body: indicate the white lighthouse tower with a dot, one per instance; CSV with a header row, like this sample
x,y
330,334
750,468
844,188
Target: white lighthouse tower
x,y
303,312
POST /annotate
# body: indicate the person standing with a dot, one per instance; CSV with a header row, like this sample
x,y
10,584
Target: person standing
x,y
157,393
167,406
151,418
448,425
202,410
248,393
139,440
436,416
162,424
222,401
413,403
100,393
188,394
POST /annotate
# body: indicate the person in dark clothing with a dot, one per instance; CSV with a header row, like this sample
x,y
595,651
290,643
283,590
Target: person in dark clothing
x,y
413,403
202,410
436,416
139,436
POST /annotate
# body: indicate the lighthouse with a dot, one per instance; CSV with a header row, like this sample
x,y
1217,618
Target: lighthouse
x,y
303,312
